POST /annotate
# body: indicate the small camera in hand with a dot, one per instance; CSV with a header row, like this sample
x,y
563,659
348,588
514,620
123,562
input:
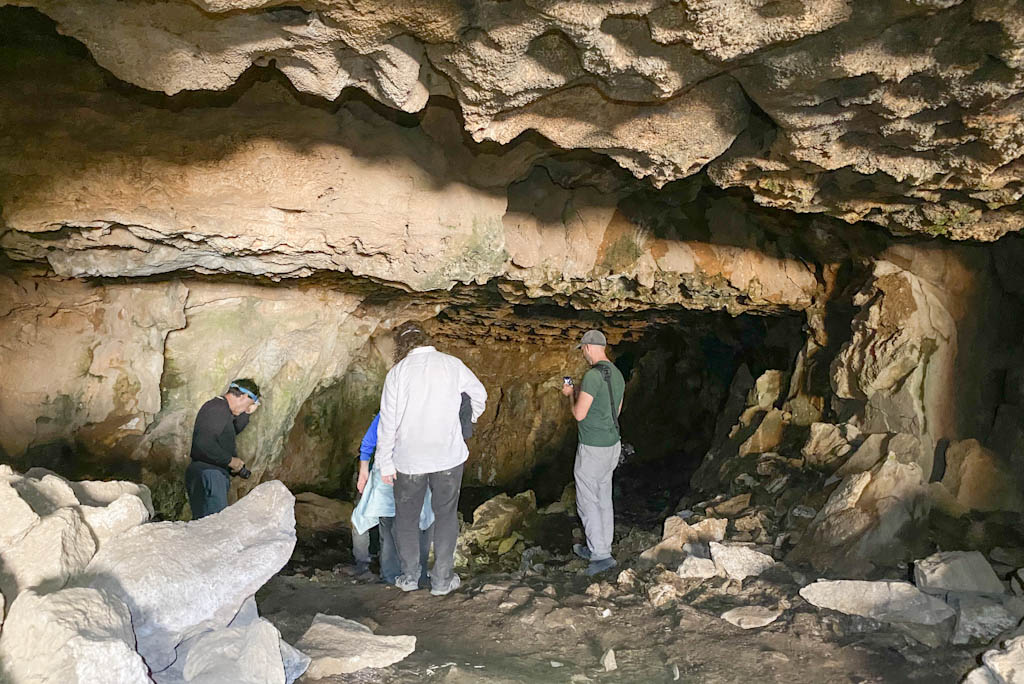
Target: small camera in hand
x,y
244,472
567,381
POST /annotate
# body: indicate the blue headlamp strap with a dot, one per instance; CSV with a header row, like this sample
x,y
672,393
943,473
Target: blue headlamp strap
x,y
245,392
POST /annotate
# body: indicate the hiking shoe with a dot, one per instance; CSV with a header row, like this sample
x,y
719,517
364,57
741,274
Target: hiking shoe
x,y
581,550
406,583
599,566
452,586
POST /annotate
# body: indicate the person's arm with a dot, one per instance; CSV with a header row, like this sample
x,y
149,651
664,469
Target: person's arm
x,y
366,449
210,423
579,403
369,443
387,427
471,385
241,420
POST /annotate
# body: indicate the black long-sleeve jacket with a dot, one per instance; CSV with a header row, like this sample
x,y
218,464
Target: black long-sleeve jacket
x,y
213,437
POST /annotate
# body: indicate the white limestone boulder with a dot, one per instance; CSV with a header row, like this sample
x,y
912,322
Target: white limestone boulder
x,y
16,516
57,547
104,493
73,636
739,562
121,515
181,579
250,654
339,646
47,493
958,571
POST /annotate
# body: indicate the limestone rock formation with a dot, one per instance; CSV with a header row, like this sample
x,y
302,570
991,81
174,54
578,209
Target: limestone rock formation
x,y
72,636
237,551
900,114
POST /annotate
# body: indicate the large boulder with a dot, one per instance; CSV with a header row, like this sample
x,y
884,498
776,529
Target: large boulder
x,y
57,547
956,571
103,493
926,618
181,579
44,491
496,518
899,363
873,518
241,655
18,516
73,636
339,646
121,515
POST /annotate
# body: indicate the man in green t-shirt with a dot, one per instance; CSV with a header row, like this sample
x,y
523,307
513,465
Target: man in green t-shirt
x,y
596,406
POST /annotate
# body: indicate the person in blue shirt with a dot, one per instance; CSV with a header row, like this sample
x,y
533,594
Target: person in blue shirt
x,y
376,508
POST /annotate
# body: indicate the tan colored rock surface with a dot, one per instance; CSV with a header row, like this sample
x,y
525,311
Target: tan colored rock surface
x,y
315,513
980,479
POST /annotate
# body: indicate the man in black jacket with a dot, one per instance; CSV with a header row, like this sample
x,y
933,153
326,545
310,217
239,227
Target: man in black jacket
x,y
214,456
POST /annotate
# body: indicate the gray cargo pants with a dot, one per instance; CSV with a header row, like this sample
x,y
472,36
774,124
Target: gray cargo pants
x,y
593,474
445,486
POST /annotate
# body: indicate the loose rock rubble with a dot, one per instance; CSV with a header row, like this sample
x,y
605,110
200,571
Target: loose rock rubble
x,y
95,595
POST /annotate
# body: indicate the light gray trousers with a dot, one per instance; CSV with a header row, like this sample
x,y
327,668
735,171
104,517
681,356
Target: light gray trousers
x,y
593,474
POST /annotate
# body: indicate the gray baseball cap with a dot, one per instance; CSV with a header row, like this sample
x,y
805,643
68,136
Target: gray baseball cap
x,y
595,337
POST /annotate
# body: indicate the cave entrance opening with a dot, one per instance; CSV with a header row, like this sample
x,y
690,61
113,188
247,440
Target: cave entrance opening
x,y
678,365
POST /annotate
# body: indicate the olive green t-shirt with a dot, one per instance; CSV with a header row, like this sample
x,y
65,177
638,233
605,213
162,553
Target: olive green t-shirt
x,y
597,428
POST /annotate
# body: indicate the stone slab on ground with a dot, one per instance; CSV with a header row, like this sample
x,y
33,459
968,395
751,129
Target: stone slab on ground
x,y
339,646
959,571
751,617
928,619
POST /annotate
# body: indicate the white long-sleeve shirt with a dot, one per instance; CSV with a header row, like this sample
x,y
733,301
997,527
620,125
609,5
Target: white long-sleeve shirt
x,y
419,430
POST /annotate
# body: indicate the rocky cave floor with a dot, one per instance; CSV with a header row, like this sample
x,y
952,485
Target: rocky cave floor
x,y
550,623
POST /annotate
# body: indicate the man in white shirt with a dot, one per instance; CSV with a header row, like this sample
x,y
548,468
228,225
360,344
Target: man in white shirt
x,y
420,444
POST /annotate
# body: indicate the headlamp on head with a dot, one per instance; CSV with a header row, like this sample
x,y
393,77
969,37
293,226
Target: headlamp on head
x,y
244,391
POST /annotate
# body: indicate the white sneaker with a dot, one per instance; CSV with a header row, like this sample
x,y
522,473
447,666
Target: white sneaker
x,y
452,586
406,583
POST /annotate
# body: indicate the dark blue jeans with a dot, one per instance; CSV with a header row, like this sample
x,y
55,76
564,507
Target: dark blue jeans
x,y
207,488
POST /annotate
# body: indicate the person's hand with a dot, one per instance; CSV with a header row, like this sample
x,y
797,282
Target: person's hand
x,y
364,476
388,479
235,464
567,390
252,407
